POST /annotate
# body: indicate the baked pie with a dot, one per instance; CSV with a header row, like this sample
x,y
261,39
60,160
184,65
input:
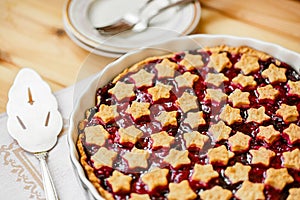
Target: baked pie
x,y
215,123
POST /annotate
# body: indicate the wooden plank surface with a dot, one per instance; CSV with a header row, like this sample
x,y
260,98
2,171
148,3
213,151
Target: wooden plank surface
x,y
32,35
276,21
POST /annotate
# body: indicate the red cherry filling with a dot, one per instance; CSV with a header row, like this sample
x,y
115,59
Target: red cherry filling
x,y
211,110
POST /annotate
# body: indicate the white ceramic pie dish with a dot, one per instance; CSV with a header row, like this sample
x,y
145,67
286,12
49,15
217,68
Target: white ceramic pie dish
x,y
86,100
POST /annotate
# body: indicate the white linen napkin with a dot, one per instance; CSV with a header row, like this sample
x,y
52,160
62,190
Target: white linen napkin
x,y
20,175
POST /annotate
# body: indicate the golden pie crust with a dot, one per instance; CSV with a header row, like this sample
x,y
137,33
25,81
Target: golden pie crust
x,y
235,109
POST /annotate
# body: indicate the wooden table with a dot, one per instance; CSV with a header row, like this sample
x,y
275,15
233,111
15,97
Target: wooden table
x,y
32,35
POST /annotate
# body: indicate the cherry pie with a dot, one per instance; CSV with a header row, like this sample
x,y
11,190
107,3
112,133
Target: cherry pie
x,y
214,123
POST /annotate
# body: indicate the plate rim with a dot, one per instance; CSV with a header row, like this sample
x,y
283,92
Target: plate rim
x,y
91,49
94,44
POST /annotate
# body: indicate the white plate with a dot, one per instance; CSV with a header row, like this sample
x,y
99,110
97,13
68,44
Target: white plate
x,y
90,48
86,100
81,16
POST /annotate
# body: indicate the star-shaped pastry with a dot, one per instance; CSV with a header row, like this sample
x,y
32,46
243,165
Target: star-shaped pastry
x,y
261,156
143,78
204,173
137,158
177,158
247,64
107,113
103,157
195,119
239,98
267,92
135,196
219,61
155,178
166,68
181,191
274,74
257,115
216,193
239,142
167,118
294,194
216,79
288,113
96,135
138,109
294,87
191,61
268,134
120,182
216,95
160,91
231,115
130,134
238,172
278,178
187,102
219,155
186,80
251,191
219,131
122,90
195,139
161,139
244,81
293,132
292,159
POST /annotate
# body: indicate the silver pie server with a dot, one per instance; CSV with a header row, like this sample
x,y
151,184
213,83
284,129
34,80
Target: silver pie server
x,y
34,120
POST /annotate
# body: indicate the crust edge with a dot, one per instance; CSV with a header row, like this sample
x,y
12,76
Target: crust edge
x,y
90,171
216,49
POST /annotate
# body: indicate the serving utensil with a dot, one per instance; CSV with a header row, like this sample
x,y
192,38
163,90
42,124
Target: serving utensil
x,y
134,21
34,120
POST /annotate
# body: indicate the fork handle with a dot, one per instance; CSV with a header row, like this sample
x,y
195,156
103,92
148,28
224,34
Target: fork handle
x,y
144,6
177,3
143,24
49,188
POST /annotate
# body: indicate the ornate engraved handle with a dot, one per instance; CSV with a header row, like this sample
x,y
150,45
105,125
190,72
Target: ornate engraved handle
x,y
49,188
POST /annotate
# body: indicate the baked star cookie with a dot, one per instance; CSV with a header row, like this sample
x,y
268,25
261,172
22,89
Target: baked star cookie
x,y
217,123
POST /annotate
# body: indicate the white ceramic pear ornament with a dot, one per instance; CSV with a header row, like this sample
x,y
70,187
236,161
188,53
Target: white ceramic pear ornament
x,y
34,120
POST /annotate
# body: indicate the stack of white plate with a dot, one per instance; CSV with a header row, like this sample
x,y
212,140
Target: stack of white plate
x,y
81,16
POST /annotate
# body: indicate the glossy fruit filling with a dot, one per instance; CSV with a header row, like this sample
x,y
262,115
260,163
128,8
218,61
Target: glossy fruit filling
x,y
149,125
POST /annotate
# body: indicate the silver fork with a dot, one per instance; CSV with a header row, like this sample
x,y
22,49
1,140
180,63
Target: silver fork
x,y
135,22
126,22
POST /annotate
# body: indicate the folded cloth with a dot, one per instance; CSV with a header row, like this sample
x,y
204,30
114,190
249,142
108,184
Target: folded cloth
x,y
20,174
